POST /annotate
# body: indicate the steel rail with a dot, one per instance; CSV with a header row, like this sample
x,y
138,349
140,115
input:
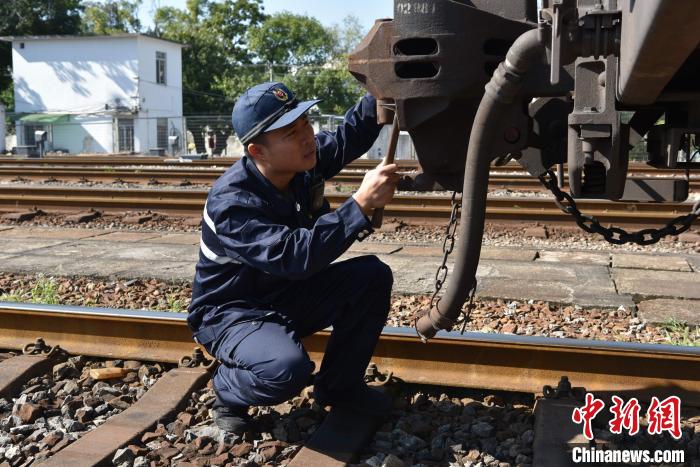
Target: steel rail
x,y
203,176
132,174
191,202
179,175
473,360
169,174
115,161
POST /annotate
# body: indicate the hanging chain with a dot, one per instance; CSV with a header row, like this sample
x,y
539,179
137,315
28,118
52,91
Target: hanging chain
x,y
470,306
441,274
448,245
617,235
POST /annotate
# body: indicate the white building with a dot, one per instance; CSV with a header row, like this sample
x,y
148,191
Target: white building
x,y
98,94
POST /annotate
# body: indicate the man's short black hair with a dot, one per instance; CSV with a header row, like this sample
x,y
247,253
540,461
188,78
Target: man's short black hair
x,y
260,139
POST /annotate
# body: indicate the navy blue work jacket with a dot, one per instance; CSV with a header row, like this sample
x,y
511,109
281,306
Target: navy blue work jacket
x,y
256,241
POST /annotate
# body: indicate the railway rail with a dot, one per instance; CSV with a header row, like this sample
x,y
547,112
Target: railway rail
x,y
224,162
473,360
180,176
191,203
206,176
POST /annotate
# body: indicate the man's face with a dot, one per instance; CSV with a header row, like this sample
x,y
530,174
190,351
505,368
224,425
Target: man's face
x,y
290,149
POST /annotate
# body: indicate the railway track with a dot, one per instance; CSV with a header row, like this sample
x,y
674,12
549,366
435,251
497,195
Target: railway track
x,y
191,203
177,176
635,168
473,360
180,176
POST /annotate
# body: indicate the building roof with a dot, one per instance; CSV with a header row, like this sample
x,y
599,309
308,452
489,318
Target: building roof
x,y
84,37
45,118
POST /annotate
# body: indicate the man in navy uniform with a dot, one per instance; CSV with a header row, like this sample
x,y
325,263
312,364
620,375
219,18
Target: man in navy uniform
x,y
264,278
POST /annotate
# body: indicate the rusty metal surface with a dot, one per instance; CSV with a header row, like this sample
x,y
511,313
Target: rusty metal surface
x,y
111,175
433,60
657,37
490,361
211,165
191,202
202,176
340,438
521,363
183,201
170,394
101,332
16,371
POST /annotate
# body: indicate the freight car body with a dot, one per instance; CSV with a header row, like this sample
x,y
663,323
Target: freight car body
x,y
544,82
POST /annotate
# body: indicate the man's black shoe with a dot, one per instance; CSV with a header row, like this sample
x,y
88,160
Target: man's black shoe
x,y
232,419
366,400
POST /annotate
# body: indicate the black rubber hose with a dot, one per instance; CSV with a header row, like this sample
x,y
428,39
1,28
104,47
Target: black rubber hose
x,y
500,95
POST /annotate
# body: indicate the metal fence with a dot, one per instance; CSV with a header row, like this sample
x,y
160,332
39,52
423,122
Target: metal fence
x,y
108,133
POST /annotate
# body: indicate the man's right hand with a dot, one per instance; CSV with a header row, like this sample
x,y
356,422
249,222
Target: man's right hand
x,y
377,188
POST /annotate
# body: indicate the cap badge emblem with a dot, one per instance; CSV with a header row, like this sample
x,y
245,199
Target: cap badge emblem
x,y
280,94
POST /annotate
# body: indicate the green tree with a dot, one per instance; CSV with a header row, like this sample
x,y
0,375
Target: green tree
x,y
308,57
289,39
215,36
31,17
338,89
347,35
111,17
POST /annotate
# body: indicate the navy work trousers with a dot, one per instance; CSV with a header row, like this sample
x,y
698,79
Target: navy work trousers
x,y
264,363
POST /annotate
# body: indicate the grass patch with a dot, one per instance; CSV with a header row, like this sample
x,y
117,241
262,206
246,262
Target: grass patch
x,y
680,333
174,304
11,296
44,290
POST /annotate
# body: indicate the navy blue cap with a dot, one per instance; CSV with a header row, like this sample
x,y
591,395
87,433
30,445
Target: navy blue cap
x,y
266,107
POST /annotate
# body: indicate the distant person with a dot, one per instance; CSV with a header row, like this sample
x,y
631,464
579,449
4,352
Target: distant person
x,y
264,278
210,143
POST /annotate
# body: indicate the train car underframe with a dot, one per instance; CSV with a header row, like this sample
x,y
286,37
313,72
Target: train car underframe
x,y
545,83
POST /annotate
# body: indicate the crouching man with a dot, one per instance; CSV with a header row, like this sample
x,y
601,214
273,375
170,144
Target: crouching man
x,y
264,279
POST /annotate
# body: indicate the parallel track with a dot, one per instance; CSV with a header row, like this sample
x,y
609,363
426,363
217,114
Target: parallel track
x,y
191,202
225,162
206,176
180,176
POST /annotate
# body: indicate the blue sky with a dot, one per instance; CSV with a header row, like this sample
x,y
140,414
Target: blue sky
x,y
327,12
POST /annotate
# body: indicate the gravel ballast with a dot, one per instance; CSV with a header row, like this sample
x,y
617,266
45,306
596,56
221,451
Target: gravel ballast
x,y
56,409
426,427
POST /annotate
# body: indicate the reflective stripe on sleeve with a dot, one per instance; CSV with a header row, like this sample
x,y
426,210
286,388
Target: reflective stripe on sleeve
x,y
206,251
207,219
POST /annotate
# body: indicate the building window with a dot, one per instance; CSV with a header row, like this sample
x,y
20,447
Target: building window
x,y
29,139
160,68
125,129
162,133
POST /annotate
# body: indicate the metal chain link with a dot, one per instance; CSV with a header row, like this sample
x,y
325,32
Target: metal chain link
x,y
441,274
470,306
447,246
617,235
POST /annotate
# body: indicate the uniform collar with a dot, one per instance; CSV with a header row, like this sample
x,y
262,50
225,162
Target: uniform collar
x,y
273,195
